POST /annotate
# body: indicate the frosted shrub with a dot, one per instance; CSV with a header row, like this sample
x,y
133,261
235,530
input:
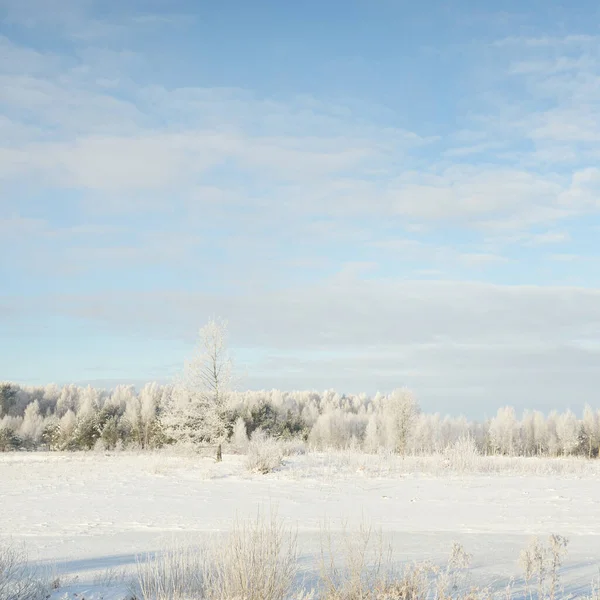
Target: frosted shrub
x,y
541,563
366,565
455,576
175,574
9,440
100,445
17,579
257,561
293,447
264,453
239,438
462,456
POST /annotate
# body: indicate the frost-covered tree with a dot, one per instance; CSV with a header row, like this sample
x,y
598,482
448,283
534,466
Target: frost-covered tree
x,y
51,433
68,400
140,416
372,440
9,440
32,426
590,431
568,430
553,445
8,395
337,429
400,410
77,418
198,409
504,431
67,425
87,428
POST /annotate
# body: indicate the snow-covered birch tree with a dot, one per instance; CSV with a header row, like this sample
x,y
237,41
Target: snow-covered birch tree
x,y
198,411
400,410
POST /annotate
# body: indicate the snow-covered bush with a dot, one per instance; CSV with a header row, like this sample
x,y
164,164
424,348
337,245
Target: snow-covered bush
x,y
256,561
174,574
239,438
9,440
18,580
264,453
541,565
462,455
292,447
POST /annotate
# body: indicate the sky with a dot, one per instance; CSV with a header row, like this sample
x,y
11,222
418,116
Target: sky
x,y
373,193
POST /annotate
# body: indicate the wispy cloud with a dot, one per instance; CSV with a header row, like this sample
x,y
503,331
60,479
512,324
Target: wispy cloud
x,y
139,198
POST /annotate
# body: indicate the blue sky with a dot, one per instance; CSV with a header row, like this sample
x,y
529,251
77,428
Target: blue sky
x,y
374,194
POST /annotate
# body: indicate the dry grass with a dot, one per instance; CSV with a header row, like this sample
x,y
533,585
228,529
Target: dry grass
x,y
175,574
456,461
256,561
367,573
541,565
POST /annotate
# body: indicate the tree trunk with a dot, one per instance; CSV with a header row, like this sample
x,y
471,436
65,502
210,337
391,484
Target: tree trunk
x,y
219,453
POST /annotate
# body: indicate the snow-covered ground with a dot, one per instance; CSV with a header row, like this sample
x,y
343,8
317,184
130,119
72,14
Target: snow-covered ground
x,y
90,512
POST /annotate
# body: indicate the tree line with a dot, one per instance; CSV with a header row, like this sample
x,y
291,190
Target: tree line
x,y
200,408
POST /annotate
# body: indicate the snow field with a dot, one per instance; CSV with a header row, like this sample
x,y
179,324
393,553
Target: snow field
x,y
85,514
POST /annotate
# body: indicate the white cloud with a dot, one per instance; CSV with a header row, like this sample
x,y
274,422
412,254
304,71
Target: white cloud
x,y
526,238
547,41
267,176
524,342
354,313
412,250
312,153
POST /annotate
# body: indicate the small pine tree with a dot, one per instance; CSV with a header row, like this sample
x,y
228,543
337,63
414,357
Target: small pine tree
x,y
9,440
51,434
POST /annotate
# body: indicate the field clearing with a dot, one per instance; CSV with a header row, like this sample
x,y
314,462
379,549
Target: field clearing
x,y
85,513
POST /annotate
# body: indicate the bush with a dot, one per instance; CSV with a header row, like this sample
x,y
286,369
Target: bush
x,y
18,581
293,447
9,440
462,456
264,453
176,574
541,563
256,561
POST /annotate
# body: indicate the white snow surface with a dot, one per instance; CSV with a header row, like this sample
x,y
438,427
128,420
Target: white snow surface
x,y
86,513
